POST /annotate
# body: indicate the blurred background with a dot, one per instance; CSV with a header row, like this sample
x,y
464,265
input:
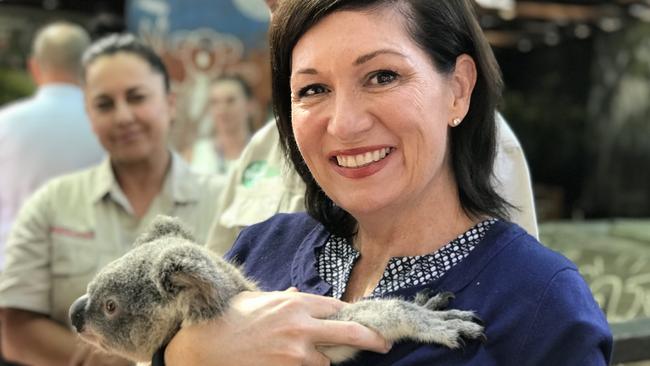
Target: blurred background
x,y
577,76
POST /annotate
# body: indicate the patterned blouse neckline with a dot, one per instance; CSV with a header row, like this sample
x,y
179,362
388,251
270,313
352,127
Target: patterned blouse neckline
x,y
337,257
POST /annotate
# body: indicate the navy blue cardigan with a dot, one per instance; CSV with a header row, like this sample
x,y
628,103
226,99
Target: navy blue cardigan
x,y
536,307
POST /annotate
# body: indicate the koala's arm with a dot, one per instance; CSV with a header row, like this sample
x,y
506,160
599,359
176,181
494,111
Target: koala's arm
x,y
33,339
420,321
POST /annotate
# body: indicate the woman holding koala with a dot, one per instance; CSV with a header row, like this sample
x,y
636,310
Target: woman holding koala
x,y
76,224
386,109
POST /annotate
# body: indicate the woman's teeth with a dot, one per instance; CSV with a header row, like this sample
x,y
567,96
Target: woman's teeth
x,y
360,160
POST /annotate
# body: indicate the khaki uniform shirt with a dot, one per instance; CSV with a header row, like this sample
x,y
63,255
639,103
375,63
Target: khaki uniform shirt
x,y
261,184
264,183
78,223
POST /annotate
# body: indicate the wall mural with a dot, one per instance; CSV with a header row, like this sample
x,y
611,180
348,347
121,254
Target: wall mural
x,y
200,40
613,258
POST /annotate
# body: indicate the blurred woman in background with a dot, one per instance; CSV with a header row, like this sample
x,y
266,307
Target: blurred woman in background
x,y
231,113
78,223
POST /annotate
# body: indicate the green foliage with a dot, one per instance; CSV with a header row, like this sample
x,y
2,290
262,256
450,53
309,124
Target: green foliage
x,y
14,84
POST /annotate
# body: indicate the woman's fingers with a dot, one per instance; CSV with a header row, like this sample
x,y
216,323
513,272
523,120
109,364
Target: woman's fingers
x,y
282,328
336,332
331,331
289,300
316,358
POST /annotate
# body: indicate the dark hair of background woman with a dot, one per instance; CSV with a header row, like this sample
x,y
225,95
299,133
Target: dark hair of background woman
x,y
127,43
445,30
245,88
243,84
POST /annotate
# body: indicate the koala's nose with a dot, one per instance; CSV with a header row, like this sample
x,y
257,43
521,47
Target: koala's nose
x,y
76,313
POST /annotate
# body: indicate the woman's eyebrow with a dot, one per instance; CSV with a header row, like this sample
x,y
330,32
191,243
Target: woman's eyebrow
x,y
100,97
369,56
307,71
359,61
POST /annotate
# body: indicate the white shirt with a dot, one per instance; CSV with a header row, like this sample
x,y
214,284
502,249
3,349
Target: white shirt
x,y
41,137
512,178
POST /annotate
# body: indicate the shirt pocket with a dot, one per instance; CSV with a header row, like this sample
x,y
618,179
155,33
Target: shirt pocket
x,y
74,263
254,204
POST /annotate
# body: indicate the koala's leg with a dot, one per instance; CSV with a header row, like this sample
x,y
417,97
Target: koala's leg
x,y
398,319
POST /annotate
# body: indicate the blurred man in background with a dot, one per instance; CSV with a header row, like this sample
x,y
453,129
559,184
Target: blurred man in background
x,y
47,134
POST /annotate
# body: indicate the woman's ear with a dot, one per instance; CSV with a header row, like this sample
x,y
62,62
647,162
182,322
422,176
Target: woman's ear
x,y
463,82
89,111
171,103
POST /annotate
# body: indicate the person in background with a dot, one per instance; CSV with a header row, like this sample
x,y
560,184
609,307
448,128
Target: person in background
x,y
230,110
386,109
262,184
48,134
77,223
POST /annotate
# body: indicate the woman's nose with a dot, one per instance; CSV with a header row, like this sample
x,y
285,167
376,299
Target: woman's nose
x,y
350,118
123,113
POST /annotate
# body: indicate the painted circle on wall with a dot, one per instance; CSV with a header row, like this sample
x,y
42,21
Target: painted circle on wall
x,y
254,9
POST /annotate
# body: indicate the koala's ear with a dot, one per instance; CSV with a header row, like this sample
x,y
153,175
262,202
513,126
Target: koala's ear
x,y
162,226
188,270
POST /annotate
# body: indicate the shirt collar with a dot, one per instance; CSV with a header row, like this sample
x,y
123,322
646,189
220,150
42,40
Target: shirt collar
x,y
59,89
180,183
304,272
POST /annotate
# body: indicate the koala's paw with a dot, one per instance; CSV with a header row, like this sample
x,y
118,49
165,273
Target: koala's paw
x,y
455,328
397,319
451,328
448,327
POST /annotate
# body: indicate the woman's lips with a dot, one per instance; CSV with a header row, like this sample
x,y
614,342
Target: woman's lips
x,y
361,163
362,159
127,137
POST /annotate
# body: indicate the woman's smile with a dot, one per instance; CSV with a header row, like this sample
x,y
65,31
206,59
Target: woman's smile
x,y
361,162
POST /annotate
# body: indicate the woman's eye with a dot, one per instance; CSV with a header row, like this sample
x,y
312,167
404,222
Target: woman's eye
x,y
136,98
104,106
383,77
311,90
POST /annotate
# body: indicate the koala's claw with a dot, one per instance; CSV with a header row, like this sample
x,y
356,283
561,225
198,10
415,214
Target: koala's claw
x,y
477,320
438,302
422,297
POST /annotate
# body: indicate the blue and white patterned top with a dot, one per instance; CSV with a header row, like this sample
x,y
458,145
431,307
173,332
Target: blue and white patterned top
x,y
337,257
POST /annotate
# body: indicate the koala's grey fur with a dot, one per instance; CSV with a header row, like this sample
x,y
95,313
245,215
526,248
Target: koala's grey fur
x,y
167,281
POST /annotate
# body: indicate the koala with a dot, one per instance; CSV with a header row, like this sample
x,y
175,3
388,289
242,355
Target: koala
x,y
136,304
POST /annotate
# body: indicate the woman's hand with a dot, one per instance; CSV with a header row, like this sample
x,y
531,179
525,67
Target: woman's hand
x,y
270,328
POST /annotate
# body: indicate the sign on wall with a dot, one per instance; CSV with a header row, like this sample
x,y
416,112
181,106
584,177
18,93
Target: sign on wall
x,y
200,40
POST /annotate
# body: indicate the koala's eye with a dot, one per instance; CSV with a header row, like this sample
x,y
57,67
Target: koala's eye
x,y
110,306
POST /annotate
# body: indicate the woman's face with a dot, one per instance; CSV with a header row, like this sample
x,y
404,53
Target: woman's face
x,y
370,112
128,106
229,106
